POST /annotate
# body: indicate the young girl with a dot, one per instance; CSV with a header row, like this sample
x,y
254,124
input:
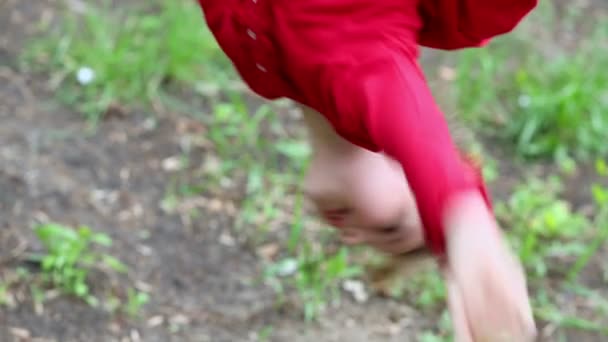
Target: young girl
x,y
385,171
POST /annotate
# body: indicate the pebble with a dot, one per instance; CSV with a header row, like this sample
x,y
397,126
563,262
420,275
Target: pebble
x,y
356,289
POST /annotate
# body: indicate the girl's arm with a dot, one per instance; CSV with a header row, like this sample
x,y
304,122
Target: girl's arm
x,y
390,98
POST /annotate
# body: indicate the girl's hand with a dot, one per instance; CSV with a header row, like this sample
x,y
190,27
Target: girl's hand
x,y
486,285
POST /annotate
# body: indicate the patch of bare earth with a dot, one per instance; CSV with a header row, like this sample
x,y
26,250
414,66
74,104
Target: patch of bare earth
x,y
202,282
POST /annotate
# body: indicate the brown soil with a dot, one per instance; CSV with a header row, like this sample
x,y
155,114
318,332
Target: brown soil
x,y
52,169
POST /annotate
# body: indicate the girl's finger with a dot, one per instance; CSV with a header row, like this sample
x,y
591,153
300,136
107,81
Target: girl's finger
x,y
460,321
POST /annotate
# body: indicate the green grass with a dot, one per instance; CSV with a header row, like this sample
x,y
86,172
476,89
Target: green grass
x,y
600,223
523,91
547,100
554,243
271,168
543,100
134,55
315,275
69,258
543,227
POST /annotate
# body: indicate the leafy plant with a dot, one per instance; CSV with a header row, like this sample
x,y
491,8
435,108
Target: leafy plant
x,y
559,109
235,131
315,275
600,196
102,57
135,301
543,227
70,257
552,239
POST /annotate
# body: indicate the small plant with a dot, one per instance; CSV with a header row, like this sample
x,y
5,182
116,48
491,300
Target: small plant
x,y
558,110
236,129
102,57
444,333
429,290
552,239
135,301
542,227
265,333
70,257
600,196
430,336
315,275
4,294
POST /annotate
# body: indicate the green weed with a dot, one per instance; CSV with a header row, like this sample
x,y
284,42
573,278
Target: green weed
x,y
432,337
557,110
252,146
423,289
104,57
315,275
549,311
444,330
235,132
600,222
9,282
4,294
273,166
70,257
38,298
553,240
265,333
543,228
135,301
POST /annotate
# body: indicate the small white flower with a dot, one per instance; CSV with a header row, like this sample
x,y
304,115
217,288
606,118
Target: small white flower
x,y
85,75
524,101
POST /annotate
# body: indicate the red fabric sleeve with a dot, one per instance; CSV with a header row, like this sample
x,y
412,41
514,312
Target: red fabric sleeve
x,y
390,97
458,24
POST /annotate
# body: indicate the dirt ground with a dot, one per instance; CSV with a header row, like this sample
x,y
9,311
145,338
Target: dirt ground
x,y
202,289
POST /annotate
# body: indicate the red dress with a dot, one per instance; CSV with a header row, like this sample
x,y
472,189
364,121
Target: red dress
x,y
355,62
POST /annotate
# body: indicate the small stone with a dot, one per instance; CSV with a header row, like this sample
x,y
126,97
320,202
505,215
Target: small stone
x,y
447,73
212,164
114,327
125,174
268,251
356,289
135,336
20,333
172,164
155,321
227,240
144,250
149,124
179,319
393,329
287,267
143,286
215,205
77,6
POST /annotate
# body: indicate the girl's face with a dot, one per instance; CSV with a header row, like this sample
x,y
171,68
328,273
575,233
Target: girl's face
x,y
366,197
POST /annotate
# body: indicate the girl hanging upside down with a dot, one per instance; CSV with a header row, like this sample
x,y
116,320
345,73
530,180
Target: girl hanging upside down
x,y
385,171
